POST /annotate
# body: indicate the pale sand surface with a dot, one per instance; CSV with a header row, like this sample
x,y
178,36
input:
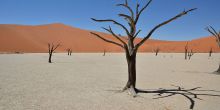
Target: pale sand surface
x,y
90,81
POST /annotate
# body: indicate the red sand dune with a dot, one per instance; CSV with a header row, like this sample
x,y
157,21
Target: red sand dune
x,y
21,38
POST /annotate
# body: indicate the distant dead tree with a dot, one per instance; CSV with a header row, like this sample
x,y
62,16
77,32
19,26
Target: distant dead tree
x,y
51,49
69,52
157,51
190,54
216,34
210,52
132,32
186,50
103,53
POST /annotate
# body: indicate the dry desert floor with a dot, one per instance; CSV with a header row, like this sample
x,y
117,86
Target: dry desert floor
x,y
90,81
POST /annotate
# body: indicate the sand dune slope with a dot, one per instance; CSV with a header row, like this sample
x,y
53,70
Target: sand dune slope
x,y
22,38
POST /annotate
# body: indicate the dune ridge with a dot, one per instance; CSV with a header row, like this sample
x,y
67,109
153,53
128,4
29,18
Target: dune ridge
x,y
34,39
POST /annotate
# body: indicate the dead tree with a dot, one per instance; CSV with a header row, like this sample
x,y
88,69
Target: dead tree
x,y
103,53
216,34
157,51
190,54
51,49
210,52
69,52
186,50
132,32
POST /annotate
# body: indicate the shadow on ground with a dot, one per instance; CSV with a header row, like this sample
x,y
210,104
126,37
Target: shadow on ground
x,y
189,94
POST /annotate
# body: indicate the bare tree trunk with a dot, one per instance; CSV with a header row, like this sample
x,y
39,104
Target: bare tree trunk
x,y
131,61
131,72
189,55
50,55
186,50
218,71
210,52
157,51
186,54
103,53
156,54
68,52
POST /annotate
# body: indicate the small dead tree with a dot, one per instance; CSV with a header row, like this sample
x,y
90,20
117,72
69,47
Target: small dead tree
x,y
190,54
157,51
51,49
216,34
69,52
132,32
210,52
186,50
103,53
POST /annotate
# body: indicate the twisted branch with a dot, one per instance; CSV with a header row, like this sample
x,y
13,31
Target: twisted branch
x,y
162,24
113,21
106,40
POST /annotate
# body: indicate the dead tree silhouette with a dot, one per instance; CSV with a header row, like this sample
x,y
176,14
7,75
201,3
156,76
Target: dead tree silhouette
x,y
132,32
51,49
69,52
186,50
187,93
103,53
190,54
210,52
216,34
157,51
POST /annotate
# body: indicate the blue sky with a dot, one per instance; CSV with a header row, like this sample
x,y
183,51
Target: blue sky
x,y
77,13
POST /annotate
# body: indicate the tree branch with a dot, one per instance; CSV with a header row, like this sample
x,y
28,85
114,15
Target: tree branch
x,y
113,21
106,40
137,9
128,7
215,34
162,24
138,13
137,33
56,46
117,37
127,17
213,31
131,24
210,31
48,47
186,46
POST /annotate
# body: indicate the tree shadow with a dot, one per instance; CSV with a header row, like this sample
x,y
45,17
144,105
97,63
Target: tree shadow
x,y
187,93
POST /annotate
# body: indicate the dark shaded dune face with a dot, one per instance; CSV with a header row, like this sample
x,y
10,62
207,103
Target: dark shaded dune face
x,y
21,38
